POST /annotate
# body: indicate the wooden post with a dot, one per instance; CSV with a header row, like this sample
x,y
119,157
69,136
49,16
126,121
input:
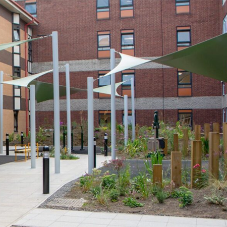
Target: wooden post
x,y
157,174
216,127
196,158
185,140
197,132
175,142
225,146
176,157
206,130
166,147
214,141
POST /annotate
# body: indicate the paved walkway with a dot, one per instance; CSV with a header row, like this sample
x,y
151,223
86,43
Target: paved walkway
x,y
21,194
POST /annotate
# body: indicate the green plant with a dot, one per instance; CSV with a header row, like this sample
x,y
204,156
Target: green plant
x,y
201,177
114,195
185,175
215,199
40,137
120,128
185,197
156,157
132,202
124,180
86,182
18,137
68,157
161,195
11,137
109,181
96,191
140,185
205,146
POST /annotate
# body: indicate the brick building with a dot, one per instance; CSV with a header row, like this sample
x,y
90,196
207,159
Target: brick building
x,y
147,29
14,22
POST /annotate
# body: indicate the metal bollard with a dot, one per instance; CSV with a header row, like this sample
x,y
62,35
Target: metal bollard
x,y
105,144
46,170
22,138
7,144
94,152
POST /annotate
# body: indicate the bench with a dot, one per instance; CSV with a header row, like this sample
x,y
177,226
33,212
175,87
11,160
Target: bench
x,y
26,150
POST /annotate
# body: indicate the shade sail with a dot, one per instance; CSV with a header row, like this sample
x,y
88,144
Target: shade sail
x,y
208,58
45,91
107,89
127,62
26,81
8,45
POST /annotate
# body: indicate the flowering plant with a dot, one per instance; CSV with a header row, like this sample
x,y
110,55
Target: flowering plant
x,y
201,177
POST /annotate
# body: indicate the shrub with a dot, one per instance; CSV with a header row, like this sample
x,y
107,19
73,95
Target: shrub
x,y
132,202
114,195
161,195
109,181
11,137
96,191
140,185
124,180
86,182
185,197
215,199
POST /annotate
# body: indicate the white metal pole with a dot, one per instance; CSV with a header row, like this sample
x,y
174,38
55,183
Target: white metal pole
x,y
133,108
1,113
56,101
90,109
126,118
68,108
113,108
33,126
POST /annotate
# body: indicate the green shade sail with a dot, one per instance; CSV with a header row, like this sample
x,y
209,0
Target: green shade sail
x,y
45,91
208,58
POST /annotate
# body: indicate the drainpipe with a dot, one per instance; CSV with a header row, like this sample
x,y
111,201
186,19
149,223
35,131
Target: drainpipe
x,y
26,73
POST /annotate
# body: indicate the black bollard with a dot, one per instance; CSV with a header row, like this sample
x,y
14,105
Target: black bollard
x,y
82,138
64,134
105,144
94,152
22,138
71,141
7,144
46,171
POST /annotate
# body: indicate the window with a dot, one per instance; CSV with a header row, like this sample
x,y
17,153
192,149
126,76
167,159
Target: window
x,y
129,117
17,97
225,25
185,117
182,6
103,9
103,82
15,121
127,42
104,44
104,117
184,80
31,8
223,88
29,56
126,86
183,37
223,2
16,35
126,8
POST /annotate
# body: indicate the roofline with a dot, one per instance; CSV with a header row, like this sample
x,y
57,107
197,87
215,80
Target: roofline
x,y
16,8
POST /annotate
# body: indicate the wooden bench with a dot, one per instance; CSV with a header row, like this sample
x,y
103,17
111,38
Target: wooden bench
x,y
26,150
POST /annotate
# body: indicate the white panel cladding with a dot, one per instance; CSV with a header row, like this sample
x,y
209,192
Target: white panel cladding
x,y
16,60
16,18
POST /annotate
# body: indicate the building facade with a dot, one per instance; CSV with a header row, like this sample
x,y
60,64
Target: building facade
x,y
87,31
14,61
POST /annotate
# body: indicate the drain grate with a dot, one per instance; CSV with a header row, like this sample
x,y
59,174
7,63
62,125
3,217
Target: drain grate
x,y
74,203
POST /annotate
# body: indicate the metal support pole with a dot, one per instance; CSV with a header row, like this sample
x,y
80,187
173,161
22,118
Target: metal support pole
x,y
67,74
94,152
133,109
22,138
113,108
105,144
126,119
32,123
7,144
46,170
90,124
1,112
56,101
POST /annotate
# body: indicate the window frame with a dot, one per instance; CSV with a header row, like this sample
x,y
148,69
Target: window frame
x,y
127,87
108,113
187,111
125,8
182,2
103,48
182,84
31,3
178,30
15,120
102,9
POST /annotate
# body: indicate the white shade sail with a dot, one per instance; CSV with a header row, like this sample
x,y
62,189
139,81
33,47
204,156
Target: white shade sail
x,y
107,89
25,81
8,45
127,62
